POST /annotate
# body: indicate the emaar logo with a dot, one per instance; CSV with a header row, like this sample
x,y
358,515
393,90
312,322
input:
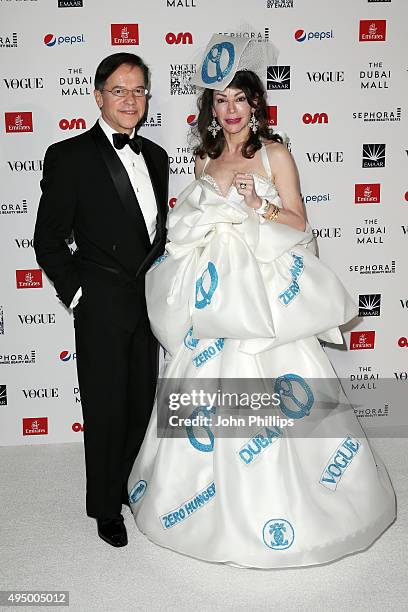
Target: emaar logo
x,y
50,40
302,35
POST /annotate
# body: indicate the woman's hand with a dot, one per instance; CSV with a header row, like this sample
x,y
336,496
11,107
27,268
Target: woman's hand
x,y
245,186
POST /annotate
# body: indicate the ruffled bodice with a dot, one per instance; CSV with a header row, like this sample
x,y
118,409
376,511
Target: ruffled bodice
x,y
228,273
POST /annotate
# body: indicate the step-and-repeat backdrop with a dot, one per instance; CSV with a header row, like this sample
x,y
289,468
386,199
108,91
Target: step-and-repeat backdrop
x,y
340,93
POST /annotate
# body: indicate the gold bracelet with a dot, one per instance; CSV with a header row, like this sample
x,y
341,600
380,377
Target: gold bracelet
x,y
272,213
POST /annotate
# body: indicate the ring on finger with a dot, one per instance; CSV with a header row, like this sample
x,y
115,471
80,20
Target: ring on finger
x,y
242,185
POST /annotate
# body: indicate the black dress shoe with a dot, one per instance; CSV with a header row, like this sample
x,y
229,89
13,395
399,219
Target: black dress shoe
x,y
113,531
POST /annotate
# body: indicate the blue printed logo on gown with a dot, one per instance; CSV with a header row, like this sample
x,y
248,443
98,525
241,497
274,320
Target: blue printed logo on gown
x,y
284,387
204,293
137,491
278,534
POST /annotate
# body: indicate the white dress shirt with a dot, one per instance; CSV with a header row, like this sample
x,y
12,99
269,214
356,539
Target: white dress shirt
x,y
139,177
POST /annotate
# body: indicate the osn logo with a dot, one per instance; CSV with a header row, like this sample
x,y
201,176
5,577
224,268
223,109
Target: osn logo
x,y
35,427
124,33
182,38
72,124
18,122
192,120
172,202
29,279
301,35
362,340
316,118
50,40
66,355
77,427
372,30
367,193
403,342
272,115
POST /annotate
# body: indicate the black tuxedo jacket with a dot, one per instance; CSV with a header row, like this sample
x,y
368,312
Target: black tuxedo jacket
x,y
85,188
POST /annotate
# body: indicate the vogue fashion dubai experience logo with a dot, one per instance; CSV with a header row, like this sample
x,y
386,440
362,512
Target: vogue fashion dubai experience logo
x,y
373,155
1,321
278,77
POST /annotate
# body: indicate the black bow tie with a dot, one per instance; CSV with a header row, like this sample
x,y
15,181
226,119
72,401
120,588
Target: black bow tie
x,y
121,140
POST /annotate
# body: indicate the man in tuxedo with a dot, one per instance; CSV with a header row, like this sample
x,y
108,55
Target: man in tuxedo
x,y
109,187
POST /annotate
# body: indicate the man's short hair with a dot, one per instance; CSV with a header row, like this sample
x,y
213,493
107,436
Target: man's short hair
x,y
112,62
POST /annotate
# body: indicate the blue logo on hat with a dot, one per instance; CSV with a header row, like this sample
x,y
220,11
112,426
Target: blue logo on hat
x,y
203,297
214,56
278,534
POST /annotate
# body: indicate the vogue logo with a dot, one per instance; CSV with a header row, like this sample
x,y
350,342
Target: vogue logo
x,y
35,427
37,319
367,193
25,83
28,165
362,340
327,76
41,393
326,157
29,279
327,232
373,155
72,124
372,30
182,38
24,243
124,34
316,118
272,115
18,122
278,77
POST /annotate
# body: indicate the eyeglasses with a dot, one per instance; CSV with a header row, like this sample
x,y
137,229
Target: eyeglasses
x,y
122,92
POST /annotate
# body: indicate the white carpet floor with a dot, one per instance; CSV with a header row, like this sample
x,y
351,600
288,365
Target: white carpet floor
x,y
48,542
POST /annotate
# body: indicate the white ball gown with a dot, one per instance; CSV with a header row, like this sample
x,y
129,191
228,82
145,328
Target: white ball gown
x,y
237,297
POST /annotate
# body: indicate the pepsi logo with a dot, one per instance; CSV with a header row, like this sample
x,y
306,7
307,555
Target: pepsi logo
x,y
300,35
50,40
192,120
65,355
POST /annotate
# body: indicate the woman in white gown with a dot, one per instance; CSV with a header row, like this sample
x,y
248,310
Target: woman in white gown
x,y
240,294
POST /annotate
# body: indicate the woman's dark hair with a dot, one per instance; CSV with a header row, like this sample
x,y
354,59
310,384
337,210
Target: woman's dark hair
x,y
112,62
252,86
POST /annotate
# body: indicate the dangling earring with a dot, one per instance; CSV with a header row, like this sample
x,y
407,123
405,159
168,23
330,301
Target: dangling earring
x,y
214,127
253,122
